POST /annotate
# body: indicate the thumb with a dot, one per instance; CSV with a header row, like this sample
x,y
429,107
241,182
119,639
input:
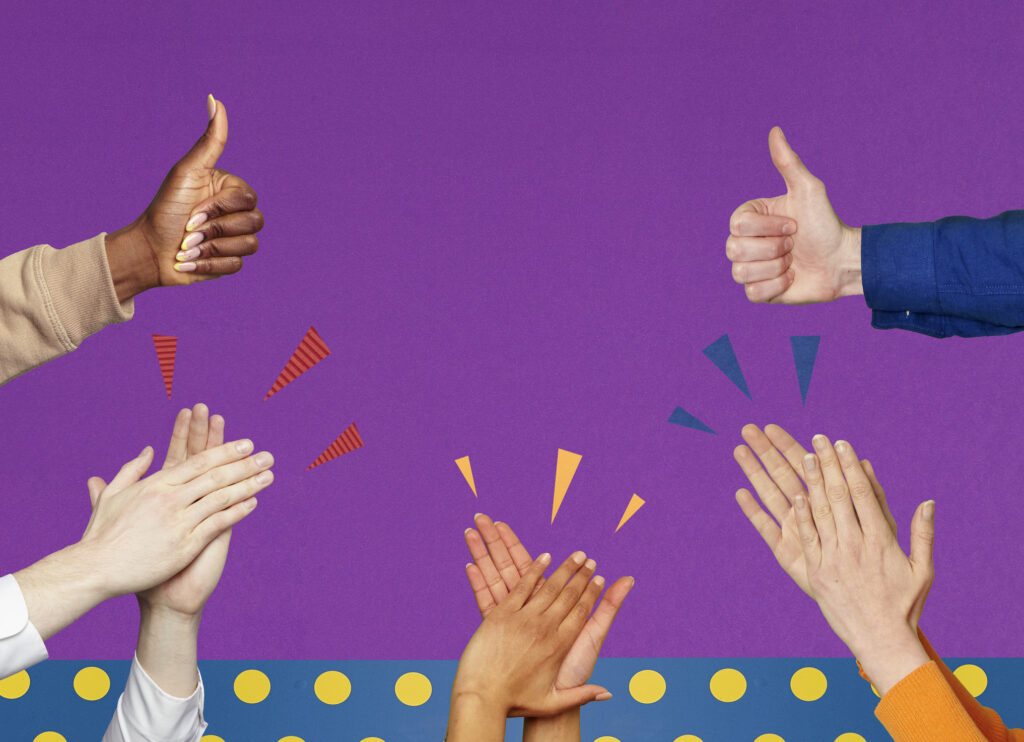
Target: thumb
x,y
132,471
922,535
208,149
571,698
96,486
786,161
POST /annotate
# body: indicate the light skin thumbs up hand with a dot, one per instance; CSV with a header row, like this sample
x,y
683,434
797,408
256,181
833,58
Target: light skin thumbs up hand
x,y
200,224
793,249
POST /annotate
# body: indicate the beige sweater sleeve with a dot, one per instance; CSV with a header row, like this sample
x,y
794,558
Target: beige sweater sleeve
x,y
51,300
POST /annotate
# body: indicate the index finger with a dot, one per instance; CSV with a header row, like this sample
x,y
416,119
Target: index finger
x,y
499,552
206,461
516,550
177,449
872,520
752,220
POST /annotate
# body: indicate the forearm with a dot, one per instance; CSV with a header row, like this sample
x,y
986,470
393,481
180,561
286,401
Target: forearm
x,y
474,719
167,649
564,727
61,587
133,267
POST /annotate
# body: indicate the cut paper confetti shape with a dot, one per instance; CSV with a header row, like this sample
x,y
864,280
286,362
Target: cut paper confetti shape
x,y
166,349
348,441
565,470
467,472
635,503
312,349
805,352
722,355
681,417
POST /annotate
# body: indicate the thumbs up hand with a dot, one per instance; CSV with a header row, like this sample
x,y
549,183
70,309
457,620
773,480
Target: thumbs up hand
x,y
200,224
793,248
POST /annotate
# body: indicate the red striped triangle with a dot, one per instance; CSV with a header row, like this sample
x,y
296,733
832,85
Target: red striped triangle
x,y
348,441
310,352
166,348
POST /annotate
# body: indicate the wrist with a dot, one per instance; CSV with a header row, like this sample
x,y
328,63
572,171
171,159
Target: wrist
x,y
133,267
887,662
474,717
157,613
850,283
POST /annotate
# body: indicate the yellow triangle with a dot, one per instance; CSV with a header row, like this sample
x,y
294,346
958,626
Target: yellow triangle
x,y
467,472
635,504
565,470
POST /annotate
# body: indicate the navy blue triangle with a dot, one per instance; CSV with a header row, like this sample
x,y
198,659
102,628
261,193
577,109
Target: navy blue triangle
x,y
805,352
722,355
682,417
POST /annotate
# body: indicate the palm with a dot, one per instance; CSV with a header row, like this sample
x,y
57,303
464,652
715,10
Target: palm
x,y
163,223
816,244
188,591
578,665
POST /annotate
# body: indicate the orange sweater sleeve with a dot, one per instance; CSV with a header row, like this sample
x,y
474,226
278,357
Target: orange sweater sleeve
x,y
931,704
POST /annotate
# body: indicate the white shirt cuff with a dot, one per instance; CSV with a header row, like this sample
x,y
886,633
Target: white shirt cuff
x,y
146,713
21,645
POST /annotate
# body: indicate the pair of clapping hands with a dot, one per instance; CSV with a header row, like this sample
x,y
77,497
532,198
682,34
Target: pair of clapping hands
x,y
539,640
164,537
834,536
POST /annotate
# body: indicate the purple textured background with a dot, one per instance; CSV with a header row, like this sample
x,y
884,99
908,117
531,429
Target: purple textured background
x,y
508,225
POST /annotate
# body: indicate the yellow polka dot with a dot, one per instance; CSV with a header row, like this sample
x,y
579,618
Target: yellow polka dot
x,y
15,686
211,738
371,739
647,686
252,686
607,739
769,738
729,685
688,738
973,679
291,739
808,684
91,683
413,689
332,687
49,737
850,737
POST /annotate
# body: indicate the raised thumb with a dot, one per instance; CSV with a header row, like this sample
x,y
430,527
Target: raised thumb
x,y
210,146
786,161
96,486
574,697
922,535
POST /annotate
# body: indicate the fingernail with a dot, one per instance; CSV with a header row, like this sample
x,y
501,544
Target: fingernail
x,y
251,503
188,254
478,515
468,565
788,228
599,581
929,510
185,267
466,531
195,221
789,243
544,558
264,476
193,239
801,502
244,445
264,459
578,557
590,564
819,441
632,581
211,106
810,462
603,696
842,447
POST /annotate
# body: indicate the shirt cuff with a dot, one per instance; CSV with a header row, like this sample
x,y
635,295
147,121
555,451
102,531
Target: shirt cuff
x,y
922,708
898,268
77,285
152,714
21,645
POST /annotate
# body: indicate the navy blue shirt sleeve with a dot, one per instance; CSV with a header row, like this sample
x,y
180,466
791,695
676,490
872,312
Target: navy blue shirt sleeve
x,y
957,276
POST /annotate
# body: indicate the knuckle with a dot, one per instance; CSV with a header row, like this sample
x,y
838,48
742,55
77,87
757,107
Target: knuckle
x,y
822,511
836,492
861,491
